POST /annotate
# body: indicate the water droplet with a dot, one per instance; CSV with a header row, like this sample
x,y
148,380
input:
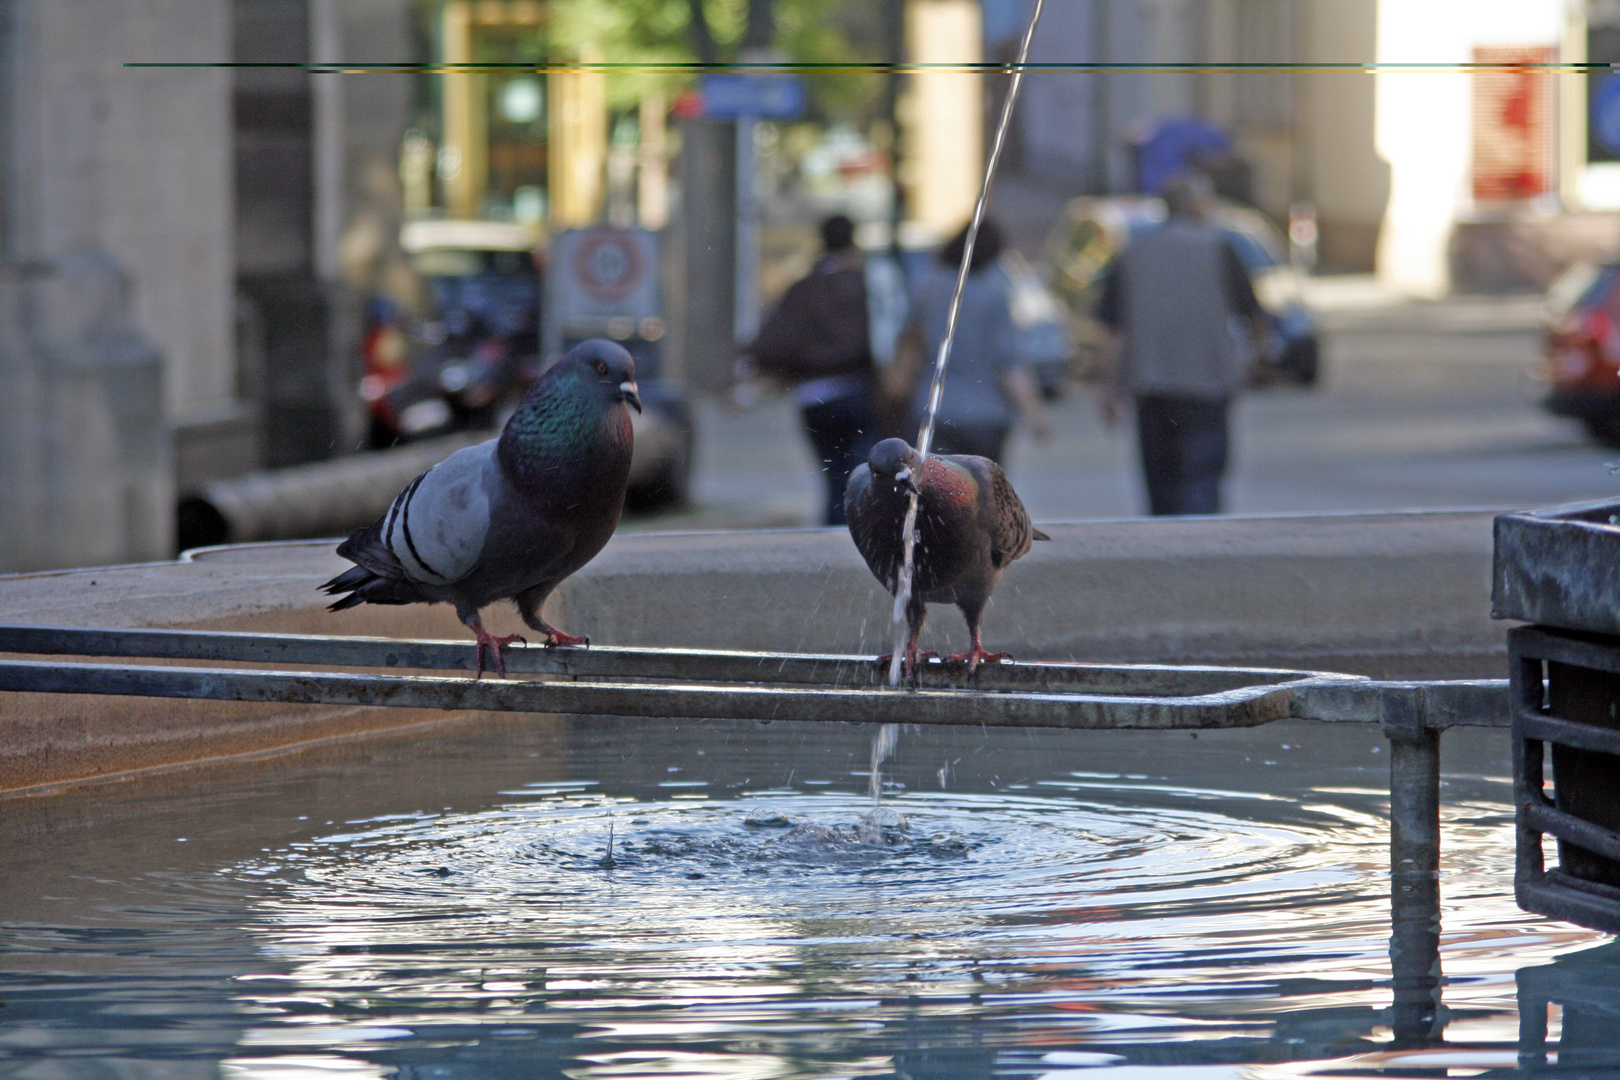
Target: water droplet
x,y
766,816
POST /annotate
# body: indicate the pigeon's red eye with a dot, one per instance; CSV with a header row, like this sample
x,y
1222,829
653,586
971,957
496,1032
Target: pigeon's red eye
x,y
601,368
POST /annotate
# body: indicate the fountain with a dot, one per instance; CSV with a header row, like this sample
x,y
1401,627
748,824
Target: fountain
x,y
620,872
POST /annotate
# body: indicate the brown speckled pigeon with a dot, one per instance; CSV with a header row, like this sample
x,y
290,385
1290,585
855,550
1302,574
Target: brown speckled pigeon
x,y
970,525
510,518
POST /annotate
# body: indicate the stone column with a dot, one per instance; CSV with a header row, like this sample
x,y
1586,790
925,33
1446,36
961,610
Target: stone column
x,y
115,210
86,458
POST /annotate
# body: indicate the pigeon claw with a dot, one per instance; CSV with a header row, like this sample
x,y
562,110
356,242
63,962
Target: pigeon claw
x,y
486,640
556,638
910,664
976,656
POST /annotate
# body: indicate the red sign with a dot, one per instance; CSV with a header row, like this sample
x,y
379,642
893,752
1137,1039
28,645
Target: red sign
x,y
1513,122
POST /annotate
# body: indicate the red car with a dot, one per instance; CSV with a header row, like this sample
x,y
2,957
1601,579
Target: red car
x,y
1581,366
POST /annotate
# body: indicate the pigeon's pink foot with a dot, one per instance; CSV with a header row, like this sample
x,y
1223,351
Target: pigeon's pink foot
x,y
911,659
976,656
556,638
486,640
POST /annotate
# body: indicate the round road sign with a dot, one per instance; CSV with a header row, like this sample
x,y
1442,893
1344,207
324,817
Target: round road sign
x,y
608,265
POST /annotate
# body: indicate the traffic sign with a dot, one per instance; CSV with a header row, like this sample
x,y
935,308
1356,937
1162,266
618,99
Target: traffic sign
x,y
601,279
1606,113
770,95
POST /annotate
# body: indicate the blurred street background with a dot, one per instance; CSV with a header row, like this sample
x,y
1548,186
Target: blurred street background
x,y
1421,404
261,261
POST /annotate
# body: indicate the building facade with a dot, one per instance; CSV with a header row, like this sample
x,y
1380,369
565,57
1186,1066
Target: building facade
x,y
1436,141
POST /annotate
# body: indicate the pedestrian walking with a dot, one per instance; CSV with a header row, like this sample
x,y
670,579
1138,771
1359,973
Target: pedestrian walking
x,y
1177,299
820,339
987,385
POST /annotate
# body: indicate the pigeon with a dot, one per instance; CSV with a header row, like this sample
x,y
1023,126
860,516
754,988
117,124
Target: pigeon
x,y
510,518
970,525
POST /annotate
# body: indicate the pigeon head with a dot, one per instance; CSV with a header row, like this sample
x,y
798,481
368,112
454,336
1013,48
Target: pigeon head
x,y
896,461
606,366
574,413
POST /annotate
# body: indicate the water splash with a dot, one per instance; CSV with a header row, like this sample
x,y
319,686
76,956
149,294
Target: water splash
x,y
936,387
883,742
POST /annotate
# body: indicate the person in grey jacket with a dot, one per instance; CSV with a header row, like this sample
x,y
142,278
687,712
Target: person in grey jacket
x,y
1177,299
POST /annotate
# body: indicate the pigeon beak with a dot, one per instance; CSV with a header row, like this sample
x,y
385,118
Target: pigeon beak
x,y
629,393
903,478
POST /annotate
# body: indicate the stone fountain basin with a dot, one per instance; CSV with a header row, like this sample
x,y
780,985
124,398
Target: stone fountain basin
x,y
1387,595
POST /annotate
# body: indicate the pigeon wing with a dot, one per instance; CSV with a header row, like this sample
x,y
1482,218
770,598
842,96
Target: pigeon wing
x,y
876,537
436,528
1011,533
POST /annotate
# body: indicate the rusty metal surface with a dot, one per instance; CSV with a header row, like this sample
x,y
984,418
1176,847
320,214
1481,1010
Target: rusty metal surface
x,y
632,663
1233,708
1559,567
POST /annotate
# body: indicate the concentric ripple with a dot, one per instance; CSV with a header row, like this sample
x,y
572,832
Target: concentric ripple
x,y
966,860
1122,910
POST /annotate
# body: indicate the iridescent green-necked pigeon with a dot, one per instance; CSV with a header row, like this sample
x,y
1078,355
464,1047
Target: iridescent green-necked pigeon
x,y
970,525
510,518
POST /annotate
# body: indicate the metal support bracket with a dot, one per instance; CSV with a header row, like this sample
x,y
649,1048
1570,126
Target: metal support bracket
x,y
686,683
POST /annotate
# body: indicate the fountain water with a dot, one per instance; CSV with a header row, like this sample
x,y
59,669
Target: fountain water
x,y
936,386
445,906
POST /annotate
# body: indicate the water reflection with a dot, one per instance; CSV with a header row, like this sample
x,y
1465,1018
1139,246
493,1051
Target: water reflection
x,y
722,901
1584,989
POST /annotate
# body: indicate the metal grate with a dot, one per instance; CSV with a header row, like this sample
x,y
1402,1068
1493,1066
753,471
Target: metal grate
x,y
1566,697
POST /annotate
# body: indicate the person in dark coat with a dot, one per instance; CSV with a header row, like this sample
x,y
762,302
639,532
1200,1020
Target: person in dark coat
x,y
819,339
1175,299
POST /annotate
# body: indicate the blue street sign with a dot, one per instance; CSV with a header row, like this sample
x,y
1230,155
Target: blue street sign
x,y
1606,113
772,95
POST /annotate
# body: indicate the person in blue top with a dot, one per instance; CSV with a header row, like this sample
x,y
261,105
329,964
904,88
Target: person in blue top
x,y
987,386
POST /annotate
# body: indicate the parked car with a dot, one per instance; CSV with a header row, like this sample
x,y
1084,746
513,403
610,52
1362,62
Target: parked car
x,y
1092,230
466,363
1580,362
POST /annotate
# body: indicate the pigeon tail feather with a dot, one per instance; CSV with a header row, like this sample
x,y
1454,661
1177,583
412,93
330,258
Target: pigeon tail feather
x,y
364,587
370,552
352,578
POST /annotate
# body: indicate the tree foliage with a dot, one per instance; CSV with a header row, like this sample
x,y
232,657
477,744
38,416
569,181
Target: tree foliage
x,y
649,33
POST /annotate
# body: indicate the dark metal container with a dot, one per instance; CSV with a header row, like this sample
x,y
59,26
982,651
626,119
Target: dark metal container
x,y
1560,569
